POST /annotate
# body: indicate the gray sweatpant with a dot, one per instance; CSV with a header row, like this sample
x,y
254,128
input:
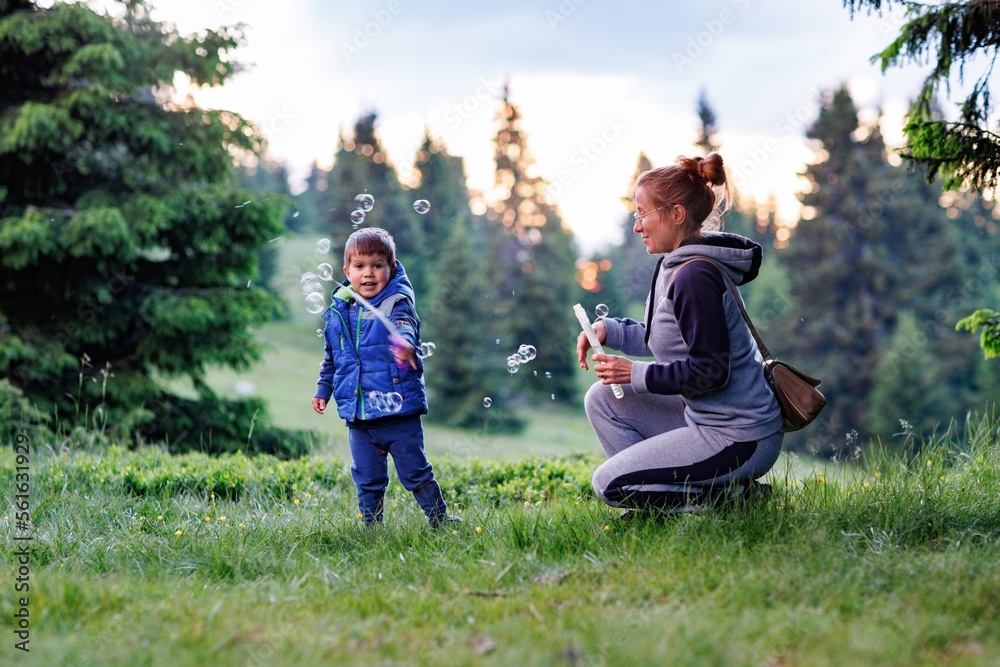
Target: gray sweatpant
x,y
655,458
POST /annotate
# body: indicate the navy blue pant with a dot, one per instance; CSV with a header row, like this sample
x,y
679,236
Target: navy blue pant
x,y
370,448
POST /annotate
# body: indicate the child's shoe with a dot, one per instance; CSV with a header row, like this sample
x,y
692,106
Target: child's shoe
x,y
438,520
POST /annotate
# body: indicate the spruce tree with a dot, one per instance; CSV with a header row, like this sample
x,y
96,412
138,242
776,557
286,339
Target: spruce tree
x,y
465,372
906,392
951,35
533,265
964,151
877,243
707,122
126,251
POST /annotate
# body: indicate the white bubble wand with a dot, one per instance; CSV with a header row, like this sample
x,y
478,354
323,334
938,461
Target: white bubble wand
x,y
395,339
594,342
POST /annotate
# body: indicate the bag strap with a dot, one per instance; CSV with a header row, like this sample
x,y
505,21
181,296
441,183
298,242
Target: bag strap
x,y
765,353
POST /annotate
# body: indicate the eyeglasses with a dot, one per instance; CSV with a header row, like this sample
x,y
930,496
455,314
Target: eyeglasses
x,y
639,216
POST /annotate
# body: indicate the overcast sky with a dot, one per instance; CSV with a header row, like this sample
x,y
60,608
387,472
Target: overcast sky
x,y
596,81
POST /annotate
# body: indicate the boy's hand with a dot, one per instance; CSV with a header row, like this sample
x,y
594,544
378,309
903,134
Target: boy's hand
x,y
402,352
319,405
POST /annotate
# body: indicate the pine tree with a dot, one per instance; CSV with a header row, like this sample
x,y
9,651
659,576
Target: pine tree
x,y
464,372
532,264
951,35
125,247
706,118
965,152
906,387
877,243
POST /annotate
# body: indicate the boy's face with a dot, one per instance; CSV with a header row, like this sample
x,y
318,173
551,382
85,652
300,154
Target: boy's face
x,y
369,274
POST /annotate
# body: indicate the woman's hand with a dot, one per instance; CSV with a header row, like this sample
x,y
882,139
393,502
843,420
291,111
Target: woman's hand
x,y
612,369
583,343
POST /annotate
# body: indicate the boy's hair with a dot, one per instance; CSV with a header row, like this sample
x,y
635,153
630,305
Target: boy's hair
x,y
371,241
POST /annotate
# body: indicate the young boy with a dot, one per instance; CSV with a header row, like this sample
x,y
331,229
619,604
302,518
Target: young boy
x,y
376,379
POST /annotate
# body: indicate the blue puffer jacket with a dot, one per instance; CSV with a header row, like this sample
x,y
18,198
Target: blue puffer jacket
x,y
358,358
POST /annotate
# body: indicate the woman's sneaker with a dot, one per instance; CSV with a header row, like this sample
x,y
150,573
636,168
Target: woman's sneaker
x,y
741,494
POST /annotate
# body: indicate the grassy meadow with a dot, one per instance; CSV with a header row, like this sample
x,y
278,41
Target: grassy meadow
x,y
143,558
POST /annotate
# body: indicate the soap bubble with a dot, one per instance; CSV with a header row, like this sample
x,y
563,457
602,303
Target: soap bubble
x,y
426,350
553,396
393,402
487,402
324,271
310,283
601,310
357,216
527,352
322,246
548,374
513,365
421,206
319,333
315,303
364,202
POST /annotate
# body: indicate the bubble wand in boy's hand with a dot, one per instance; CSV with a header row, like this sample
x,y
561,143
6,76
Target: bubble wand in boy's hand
x,y
594,342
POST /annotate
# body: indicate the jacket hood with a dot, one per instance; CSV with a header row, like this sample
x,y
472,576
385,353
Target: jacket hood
x,y
398,284
738,255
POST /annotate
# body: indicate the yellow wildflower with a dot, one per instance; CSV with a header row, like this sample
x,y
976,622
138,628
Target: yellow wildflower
x,y
479,529
178,532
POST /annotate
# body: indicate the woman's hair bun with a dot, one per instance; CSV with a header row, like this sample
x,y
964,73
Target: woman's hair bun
x,y
710,168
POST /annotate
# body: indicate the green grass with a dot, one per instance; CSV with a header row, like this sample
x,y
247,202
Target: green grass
x,y
141,558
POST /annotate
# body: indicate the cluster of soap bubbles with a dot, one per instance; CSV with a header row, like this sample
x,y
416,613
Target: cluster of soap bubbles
x,y
525,353
313,291
390,402
426,350
363,203
310,283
